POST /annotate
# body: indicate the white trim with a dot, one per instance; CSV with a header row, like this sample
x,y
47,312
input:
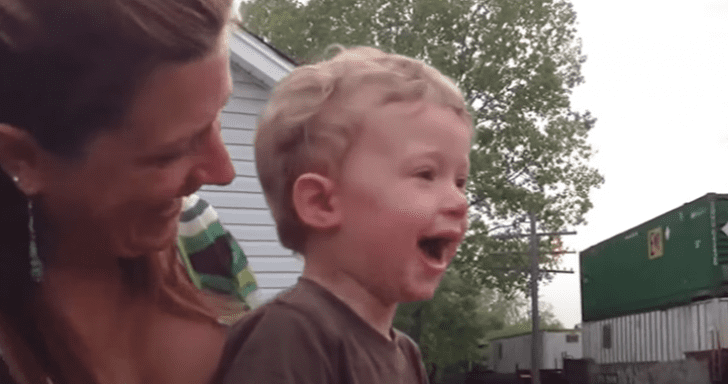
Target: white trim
x,y
190,201
257,58
198,224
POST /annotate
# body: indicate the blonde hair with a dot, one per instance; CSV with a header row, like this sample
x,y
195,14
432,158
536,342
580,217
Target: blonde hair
x,y
313,118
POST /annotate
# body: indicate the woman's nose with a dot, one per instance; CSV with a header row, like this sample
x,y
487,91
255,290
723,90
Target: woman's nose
x,y
215,164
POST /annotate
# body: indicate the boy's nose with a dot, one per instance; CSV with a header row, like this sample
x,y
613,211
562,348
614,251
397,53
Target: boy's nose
x,y
457,203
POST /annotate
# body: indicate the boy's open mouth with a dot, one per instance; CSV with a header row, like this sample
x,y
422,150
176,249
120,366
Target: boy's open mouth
x,y
434,247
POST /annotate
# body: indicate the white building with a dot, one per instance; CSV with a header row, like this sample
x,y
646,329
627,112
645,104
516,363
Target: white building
x,y
513,352
256,67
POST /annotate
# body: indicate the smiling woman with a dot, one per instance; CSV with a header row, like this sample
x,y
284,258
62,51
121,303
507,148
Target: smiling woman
x,y
109,118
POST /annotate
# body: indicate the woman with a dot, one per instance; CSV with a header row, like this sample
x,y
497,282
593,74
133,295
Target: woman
x,y
109,117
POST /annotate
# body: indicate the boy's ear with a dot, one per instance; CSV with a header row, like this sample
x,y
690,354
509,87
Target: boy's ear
x,y
20,157
315,202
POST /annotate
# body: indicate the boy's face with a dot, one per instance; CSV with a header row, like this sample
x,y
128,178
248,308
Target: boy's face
x,y
402,191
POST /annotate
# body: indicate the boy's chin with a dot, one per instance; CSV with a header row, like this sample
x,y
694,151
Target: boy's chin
x,y
418,296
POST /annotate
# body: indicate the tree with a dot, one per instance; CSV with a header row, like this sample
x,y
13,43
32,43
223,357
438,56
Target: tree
x,y
517,63
452,328
520,321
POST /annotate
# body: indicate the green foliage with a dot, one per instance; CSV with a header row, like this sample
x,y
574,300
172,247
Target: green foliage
x,y
452,328
522,323
446,326
455,327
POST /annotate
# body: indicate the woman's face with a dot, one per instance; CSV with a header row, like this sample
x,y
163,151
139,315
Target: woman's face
x,y
125,196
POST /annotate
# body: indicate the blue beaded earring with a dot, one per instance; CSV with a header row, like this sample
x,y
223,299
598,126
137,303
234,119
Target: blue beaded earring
x,y
36,265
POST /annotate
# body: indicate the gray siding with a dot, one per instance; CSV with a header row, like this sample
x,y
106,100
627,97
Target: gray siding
x,y
241,205
516,351
555,348
662,335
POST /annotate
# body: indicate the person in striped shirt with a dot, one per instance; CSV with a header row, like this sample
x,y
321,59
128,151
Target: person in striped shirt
x,y
215,261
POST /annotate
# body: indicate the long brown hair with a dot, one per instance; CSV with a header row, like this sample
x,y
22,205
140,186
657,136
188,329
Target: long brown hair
x,y
70,69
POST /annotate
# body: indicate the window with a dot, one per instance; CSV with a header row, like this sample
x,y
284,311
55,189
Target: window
x,y
607,336
499,348
572,338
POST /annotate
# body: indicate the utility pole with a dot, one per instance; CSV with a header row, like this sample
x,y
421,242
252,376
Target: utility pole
x,y
533,252
535,339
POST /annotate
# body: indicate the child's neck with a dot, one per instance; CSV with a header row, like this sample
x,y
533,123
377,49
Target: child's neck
x,y
361,300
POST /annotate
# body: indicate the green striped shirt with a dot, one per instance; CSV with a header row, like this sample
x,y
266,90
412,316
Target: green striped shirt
x,y
211,255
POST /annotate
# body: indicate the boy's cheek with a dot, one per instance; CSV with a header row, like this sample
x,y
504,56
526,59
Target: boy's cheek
x,y
420,203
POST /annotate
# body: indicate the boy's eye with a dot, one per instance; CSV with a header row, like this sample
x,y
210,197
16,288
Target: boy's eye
x,y
426,174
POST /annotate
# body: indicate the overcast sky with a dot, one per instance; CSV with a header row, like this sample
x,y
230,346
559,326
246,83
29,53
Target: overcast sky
x,y
657,82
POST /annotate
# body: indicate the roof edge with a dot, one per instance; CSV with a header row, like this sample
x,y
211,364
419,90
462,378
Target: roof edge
x,y
256,57
710,196
542,331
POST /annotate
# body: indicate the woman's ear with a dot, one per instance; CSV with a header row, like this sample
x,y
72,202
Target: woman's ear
x,y
21,159
315,201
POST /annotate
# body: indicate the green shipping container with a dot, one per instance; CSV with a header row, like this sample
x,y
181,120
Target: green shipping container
x,y
673,259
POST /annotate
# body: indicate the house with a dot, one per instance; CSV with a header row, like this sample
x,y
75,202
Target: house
x,y
242,208
514,352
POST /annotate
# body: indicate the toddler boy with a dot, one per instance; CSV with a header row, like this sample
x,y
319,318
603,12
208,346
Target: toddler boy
x,y
363,159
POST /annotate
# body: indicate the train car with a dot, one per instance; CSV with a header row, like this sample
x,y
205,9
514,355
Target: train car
x,y
659,335
672,260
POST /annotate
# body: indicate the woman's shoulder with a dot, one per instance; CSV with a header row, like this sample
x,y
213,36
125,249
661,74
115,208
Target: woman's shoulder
x,y
5,377
184,348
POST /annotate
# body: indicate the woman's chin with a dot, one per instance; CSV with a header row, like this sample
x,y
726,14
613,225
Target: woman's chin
x,y
145,240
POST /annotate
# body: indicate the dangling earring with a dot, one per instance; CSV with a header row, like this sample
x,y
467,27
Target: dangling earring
x,y
36,265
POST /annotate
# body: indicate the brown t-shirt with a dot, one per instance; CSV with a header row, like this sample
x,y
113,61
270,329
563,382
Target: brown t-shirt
x,y
308,335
